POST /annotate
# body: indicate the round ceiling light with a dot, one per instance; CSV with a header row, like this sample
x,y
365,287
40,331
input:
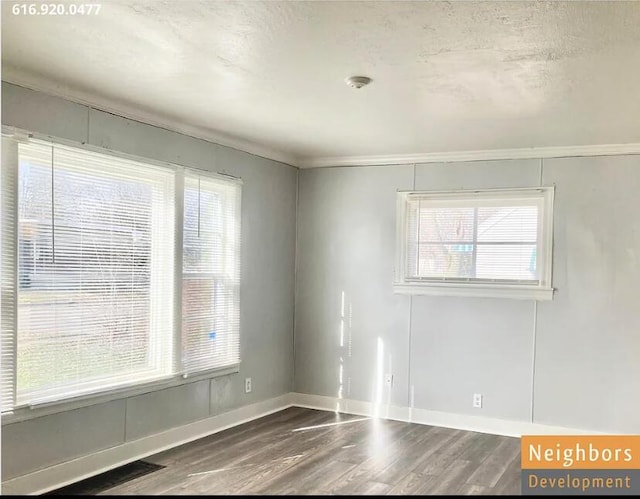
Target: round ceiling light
x,y
357,81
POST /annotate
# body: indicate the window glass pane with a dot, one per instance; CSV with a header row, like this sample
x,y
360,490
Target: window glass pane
x,y
441,225
472,237
445,260
508,223
203,230
92,264
210,288
506,261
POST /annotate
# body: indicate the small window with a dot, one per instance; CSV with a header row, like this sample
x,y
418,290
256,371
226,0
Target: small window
x,y
494,243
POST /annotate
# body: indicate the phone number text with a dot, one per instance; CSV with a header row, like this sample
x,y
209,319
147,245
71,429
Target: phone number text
x,y
55,9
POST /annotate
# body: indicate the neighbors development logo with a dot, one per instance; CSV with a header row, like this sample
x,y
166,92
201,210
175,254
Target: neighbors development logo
x,y
581,465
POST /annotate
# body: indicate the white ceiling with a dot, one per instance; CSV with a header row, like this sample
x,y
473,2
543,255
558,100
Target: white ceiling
x,y
268,76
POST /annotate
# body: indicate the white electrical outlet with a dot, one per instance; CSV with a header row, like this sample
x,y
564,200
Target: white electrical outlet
x,y
388,379
247,385
477,400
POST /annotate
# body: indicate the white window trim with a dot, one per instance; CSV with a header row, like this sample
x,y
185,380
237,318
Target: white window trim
x,y
542,292
45,406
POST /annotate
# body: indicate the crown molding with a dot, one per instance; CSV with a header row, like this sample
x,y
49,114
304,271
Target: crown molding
x,y
481,155
26,80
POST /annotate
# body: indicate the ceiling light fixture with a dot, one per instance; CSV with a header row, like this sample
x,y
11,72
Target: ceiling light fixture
x,y
357,81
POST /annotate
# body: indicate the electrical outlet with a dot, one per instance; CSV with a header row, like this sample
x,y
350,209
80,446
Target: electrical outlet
x,y
247,385
477,400
388,379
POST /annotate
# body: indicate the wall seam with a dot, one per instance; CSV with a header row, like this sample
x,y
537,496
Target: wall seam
x,y
541,166
414,177
533,357
295,285
410,391
88,124
126,405
209,411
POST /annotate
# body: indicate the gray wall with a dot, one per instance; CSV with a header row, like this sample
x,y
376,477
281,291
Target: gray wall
x,y
569,362
267,295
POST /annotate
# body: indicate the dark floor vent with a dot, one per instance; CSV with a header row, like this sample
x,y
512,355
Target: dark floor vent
x,y
107,480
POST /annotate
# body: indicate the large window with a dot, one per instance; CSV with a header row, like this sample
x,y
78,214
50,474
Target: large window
x,y
91,299
482,243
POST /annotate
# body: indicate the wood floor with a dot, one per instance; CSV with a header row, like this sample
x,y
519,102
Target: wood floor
x,y
304,451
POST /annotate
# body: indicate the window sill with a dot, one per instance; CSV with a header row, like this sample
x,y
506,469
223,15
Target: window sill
x,y
512,291
45,408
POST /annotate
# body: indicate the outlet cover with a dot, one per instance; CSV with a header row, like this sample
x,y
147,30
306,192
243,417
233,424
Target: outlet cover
x,y
477,400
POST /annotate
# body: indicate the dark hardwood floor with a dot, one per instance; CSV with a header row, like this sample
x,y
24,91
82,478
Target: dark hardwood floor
x,y
304,451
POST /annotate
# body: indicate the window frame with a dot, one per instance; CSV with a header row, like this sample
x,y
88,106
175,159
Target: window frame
x,y
404,284
222,277
37,408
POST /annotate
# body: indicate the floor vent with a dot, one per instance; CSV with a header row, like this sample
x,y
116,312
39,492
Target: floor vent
x,y
108,480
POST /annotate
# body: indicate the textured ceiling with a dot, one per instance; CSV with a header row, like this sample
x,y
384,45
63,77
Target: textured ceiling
x,y
448,76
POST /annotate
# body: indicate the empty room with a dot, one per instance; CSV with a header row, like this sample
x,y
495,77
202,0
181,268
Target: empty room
x,y
320,247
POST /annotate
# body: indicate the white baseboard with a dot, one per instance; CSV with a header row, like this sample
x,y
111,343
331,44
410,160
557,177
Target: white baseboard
x,y
434,418
62,474
72,471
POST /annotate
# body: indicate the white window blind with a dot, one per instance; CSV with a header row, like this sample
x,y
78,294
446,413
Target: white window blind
x,y
8,281
485,238
211,272
115,272
94,272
